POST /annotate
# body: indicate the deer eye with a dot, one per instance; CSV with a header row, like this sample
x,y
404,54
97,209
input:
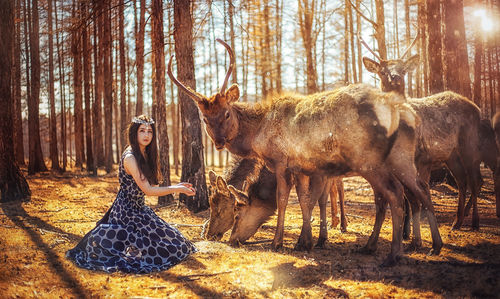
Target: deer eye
x,y
227,114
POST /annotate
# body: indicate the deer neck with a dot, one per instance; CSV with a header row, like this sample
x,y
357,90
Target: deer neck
x,y
249,121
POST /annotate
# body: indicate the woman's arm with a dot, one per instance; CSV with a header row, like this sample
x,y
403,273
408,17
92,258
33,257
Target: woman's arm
x,y
131,167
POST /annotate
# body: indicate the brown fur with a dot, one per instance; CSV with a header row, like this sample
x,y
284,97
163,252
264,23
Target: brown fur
x,y
446,118
330,134
254,206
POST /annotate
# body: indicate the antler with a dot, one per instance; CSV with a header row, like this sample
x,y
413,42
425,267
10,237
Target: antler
x,y
231,64
186,89
366,46
408,50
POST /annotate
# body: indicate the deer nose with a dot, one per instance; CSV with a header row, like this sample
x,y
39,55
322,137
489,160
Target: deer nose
x,y
395,79
219,143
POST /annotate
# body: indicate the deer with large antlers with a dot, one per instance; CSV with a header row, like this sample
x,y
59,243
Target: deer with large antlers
x,y
351,129
447,134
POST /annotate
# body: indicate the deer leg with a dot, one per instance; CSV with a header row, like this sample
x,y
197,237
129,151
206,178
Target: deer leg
x,y
325,187
414,214
388,189
380,207
458,171
302,186
333,202
420,190
282,193
407,219
340,190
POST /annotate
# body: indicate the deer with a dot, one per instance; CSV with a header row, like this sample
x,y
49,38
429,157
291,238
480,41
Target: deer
x,y
447,134
248,198
353,129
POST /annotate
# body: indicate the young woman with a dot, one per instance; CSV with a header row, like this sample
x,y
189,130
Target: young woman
x,y
131,237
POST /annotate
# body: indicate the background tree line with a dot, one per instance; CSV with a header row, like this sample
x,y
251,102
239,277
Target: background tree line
x,y
81,69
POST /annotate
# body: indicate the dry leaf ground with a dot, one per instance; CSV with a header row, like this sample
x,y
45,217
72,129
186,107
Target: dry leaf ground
x,y
35,235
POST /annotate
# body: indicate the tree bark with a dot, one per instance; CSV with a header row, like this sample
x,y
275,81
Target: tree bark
x,y
62,84
306,19
193,168
54,155
139,53
455,45
16,91
98,85
478,52
13,185
123,76
36,162
87,93
158,59
108,87
433,14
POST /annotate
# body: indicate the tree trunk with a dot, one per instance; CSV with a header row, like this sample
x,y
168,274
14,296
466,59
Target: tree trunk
x,y
478,52
54,155
351,39
158,59
346,44
13,185
98,85
36,162
193,169
455,45
86,88
433,13
380,29
62,83
139,53
306,19
422,77
77,86
16,91
108,87
408,42
123,77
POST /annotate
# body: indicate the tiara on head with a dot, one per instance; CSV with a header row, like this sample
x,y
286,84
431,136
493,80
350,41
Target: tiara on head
x,y
141,121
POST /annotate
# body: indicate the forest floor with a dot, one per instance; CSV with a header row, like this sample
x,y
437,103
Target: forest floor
x,y
35,235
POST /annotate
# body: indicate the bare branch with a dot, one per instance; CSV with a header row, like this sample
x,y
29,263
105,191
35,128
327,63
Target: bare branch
x,y
374,24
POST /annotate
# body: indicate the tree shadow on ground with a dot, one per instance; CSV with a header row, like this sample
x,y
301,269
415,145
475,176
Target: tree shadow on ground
x,y
16,213
190,281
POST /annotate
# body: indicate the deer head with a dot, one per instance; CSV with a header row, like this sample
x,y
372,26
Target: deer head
x,y
391,72
221,121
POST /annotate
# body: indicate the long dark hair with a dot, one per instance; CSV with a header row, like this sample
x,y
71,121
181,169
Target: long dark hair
x,y
147,165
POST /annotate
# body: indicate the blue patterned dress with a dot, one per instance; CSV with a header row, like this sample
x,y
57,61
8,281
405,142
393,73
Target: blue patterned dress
x,y
131,237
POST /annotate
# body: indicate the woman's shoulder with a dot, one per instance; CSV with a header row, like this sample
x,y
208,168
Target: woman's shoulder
x,y
128,154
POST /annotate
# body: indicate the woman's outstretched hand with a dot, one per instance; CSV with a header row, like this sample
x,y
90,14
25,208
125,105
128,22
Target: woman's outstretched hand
x,y
185,188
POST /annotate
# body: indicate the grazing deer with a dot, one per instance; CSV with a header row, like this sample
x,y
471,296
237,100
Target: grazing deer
x,y
246,210
351,129
448,133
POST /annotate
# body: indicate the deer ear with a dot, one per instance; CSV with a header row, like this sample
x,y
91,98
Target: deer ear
x,y
233,93
371,65
411,63
241,198
212,177
221,184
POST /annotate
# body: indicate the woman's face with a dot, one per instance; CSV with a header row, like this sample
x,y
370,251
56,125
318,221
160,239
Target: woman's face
x,y
144,135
